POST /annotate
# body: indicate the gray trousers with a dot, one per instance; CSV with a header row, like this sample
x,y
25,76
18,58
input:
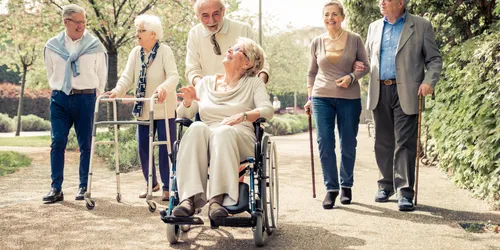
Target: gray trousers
x,y
395,143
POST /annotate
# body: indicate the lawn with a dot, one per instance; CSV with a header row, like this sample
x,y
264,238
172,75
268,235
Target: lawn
x,y
10,162
26,141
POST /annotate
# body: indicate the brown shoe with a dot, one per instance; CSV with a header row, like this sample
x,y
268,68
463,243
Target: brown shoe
x,y
184,209
216,210
145,193
165,196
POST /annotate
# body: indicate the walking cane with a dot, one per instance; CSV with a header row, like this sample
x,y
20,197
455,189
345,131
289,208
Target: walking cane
x,y
418,145
308,111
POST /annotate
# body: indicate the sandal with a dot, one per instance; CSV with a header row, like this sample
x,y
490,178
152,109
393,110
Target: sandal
x,y
216,210
184,209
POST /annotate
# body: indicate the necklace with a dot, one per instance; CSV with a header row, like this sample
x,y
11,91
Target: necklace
x,y
335,39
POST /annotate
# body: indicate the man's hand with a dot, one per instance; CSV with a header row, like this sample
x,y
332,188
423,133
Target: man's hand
x,y
425,89
264,77
188,94
109,94
344,81
358,66
161,94
232,120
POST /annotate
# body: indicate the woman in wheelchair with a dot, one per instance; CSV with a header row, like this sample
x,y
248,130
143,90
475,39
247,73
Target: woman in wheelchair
x,y
227,105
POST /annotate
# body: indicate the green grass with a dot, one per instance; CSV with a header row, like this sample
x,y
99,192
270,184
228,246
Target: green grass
x,y
26,141
10,162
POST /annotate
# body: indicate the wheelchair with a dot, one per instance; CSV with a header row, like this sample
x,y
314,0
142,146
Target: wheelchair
x,y
259,198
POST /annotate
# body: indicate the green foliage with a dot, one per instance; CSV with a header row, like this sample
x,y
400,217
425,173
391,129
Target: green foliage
x,y
360,14
26,141
465,118
7,75
32,123
6,124
10,162
287,124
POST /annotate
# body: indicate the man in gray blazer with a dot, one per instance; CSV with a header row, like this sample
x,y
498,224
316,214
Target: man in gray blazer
x,y
399,46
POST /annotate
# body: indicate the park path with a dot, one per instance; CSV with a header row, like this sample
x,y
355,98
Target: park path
x,y
27,223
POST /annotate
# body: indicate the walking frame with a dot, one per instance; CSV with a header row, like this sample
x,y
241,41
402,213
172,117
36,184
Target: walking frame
x,y
90,203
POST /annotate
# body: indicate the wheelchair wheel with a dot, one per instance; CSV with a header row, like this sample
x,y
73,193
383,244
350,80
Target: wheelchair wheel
x,y
173,233
269,191
259,232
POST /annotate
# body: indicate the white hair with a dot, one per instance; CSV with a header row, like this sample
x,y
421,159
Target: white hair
x,y
69,10
151,23
255,55
197,4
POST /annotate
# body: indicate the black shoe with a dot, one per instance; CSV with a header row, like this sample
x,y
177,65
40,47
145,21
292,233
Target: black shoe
x,y
405,204
346,196
53,196
383,195
329,200
81,192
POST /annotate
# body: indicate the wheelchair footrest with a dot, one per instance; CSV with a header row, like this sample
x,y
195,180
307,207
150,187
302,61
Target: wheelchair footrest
x,y
182,220
233,222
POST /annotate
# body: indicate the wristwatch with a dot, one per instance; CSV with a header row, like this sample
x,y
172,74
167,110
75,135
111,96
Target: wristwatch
x,y
245,115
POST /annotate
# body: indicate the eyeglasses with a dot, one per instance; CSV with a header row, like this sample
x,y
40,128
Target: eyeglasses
x,y
216,45
238,49
77,22
140,31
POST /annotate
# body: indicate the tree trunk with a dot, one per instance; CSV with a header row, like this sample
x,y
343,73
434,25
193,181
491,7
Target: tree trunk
x,y
20,103
112,79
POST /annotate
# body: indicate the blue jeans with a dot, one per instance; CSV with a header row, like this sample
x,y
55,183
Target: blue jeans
x,y
143,145
347,112
66,111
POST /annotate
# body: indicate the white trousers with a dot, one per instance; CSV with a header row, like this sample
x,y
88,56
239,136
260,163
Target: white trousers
x,y
223,147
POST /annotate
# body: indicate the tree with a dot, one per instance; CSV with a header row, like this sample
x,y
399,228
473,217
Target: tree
x,y
360,13
24,28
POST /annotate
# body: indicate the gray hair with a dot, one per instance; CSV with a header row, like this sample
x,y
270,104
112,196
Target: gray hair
x,y
255,55
197,4
69,10
151,23
335,3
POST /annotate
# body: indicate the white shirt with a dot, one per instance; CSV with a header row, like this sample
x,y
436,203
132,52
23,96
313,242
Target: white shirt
x,y
93,68
201,59
276,105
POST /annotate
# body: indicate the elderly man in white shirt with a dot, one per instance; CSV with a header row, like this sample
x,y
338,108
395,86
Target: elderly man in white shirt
x,y
208,41
76,64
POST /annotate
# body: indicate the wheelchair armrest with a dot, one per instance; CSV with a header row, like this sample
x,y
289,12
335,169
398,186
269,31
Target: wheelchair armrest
x,y
184,122
259,121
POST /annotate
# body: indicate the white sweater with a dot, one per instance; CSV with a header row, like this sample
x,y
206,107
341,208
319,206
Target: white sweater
x,y
162,72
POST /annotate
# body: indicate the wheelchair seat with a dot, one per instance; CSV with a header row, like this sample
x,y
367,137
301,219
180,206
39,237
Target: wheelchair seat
x,y
242,204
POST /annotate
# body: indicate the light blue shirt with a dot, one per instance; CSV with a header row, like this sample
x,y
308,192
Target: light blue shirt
x,y
390,40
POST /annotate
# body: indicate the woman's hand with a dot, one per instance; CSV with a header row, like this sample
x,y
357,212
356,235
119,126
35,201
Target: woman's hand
x,y
161,94
188,94
358,66
308,107
109,94
235,119
343,81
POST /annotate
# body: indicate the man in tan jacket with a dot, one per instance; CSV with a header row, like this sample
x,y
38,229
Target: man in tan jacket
x,y
400,46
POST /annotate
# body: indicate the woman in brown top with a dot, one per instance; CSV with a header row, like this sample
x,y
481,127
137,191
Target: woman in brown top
x,y
335,94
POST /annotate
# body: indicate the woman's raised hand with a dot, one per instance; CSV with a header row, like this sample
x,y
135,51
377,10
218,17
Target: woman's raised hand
x,y
188,94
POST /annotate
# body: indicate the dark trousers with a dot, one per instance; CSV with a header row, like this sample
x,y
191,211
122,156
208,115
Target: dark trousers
x,y
395,143
347,113
66,111
143,145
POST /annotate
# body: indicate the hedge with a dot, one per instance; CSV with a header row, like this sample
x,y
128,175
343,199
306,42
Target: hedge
x,y
37,102
32,123
287,124
464,120
6,123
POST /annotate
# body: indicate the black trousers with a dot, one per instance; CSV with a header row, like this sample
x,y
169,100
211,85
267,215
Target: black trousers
x,y
395,143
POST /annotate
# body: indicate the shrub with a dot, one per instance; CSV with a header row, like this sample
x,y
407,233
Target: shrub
x,y
465,118
32,123
10,162
6,123
287,124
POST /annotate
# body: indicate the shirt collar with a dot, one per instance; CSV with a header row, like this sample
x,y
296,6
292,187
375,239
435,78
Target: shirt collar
x,y
223,30
401,19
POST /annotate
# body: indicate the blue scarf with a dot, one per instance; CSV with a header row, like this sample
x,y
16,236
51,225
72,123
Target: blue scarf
x,y
88,45
140,92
